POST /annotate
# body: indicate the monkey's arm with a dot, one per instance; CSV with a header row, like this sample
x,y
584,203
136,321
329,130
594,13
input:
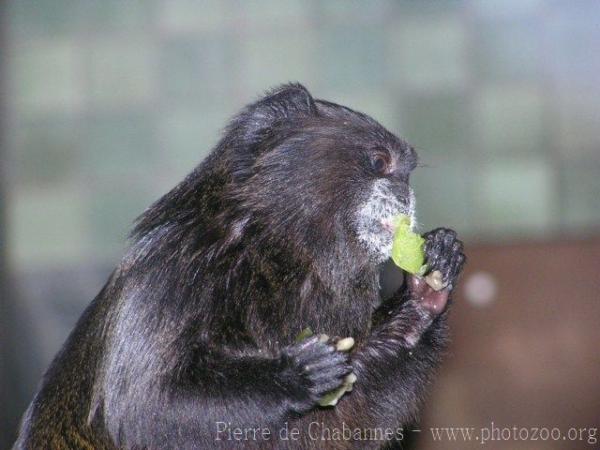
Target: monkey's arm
x,y
395,364
393,371
214,393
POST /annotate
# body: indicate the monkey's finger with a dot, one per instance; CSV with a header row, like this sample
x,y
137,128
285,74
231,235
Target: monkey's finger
x,y
344,345
300,347
330,379
328,362
349,381
320,352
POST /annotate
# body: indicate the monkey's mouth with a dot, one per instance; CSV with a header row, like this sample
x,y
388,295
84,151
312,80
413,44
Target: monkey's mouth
x,y
376,219
388,225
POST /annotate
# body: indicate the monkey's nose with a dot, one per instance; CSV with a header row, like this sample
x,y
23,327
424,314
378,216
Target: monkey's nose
x,y
389,225
402,193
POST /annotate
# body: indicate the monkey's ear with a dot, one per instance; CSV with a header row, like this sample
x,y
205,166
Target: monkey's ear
x,y
284,103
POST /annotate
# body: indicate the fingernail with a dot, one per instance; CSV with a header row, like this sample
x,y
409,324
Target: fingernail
x,y
345,344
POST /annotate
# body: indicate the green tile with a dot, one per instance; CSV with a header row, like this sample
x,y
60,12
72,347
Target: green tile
x,y
352,58
122,73
121,145
427,52
47,226
190,134
442,191
433,7
267,60
503,9
111,212
45,76
119,15
377,103
439,124
578,116
46,152
38,18
516,196
198,69
572,34
580,181
509,51
270,14
184,16
64,17
509,121
345,11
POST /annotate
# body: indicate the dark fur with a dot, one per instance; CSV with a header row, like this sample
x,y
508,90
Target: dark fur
x,y
197,324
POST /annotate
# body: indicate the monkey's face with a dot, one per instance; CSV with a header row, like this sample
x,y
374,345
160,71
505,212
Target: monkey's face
x,y
322,177
386,194
375,224
338,183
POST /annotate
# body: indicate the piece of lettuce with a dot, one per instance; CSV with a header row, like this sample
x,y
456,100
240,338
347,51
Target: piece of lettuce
x,y
343,345
408,251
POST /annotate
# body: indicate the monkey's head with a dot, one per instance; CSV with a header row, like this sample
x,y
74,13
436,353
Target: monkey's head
x,y
319,176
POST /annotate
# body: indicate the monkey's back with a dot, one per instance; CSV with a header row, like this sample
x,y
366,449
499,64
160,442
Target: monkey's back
x,y
57,417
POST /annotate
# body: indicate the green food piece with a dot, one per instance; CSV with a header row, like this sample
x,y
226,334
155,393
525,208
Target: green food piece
x,y
304,334
331,398
408,250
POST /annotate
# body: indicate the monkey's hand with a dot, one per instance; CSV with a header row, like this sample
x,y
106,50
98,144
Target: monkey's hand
x,y
405,317
443,253
408,335
311,369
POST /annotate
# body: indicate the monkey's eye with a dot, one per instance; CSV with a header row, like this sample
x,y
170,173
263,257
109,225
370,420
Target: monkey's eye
x,y
381,162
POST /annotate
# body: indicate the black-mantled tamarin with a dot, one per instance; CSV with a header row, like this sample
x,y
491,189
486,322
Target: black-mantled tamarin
x,y
282,227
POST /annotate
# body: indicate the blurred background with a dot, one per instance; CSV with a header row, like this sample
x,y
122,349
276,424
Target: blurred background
x,y
107,104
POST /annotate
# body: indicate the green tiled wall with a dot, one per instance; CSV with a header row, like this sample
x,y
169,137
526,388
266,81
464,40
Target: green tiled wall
x,y
112,102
